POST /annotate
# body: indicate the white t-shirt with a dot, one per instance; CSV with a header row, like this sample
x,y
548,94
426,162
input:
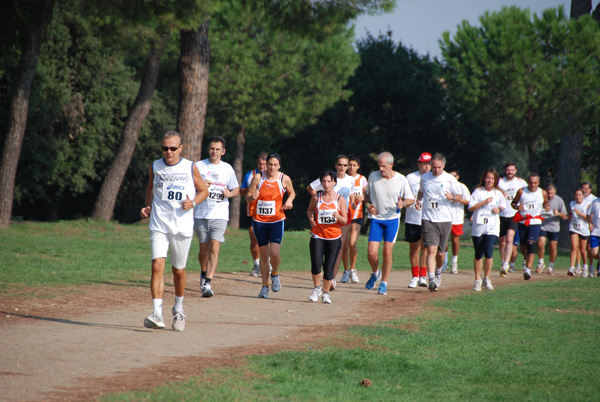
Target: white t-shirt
x,y
458,209
533,202
384,194
216,205
510,188
172,184
343,187
485,222
578,224
436,207
413,215
594,212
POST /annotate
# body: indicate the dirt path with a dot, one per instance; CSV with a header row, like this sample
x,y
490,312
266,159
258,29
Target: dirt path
x,y
91,342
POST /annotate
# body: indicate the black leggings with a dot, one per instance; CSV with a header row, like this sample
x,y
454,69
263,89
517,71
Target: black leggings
x,y
323,253
484,246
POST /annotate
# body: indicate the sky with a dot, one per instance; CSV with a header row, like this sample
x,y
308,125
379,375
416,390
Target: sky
x,y
418,24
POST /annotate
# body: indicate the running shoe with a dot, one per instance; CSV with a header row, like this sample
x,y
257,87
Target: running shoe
x,y
504,269
154,321
444,266
578,270
314,296
438,280
206,290
326,298
413,282
178,320
345,277
423,282
382,289
353,276
333,284
549,271
372,279
511,268
477,285
585,272
454,268
432,286
255,270
571,271
276,284
527,274
487,284
264,293
540,268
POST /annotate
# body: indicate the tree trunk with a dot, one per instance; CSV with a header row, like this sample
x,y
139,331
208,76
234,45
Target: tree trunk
x,y
569,171
580,7
238,162
105,203
30,49
194,62
532,151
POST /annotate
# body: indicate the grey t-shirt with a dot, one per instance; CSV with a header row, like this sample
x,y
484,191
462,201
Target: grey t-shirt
x,y
552,223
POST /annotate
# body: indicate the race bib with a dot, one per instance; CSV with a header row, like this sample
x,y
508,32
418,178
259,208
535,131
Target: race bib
x,y
265,208
215,193
172,191
484,217
547,214
577,225
434,205
358,191
326,217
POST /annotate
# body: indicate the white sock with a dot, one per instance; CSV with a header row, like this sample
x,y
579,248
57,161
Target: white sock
x,y
551,265
376,273
541,261
454,259
157,306
431,277
257,261
179,303
438,271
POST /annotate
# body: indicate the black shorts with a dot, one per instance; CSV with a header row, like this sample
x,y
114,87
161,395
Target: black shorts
x,y
359,221
412,232
552,236
507,223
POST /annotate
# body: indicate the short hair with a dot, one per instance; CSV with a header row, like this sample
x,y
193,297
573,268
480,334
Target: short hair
x,y
507,164
342,156
578,189
533,174
551,186
583,183
389,158
173,133
355,158
454,170
326,173
218,138
485,173
262,155
439,157
274,155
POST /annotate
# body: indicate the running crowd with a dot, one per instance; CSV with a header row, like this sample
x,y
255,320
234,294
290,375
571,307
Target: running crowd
x,y
183,197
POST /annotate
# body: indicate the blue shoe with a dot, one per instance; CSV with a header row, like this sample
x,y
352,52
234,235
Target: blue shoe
x,y
264,293
276,284
371,282
382,289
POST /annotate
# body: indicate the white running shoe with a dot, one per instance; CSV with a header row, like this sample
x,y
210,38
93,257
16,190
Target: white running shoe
x,y
487,284
154,321
524,265
504,269
255,270
413,282
571,271
511,268
326,298
333,283
540,268
585,272
353,276
549,271
314,296
206,290
527,274
345,277
423,282
438,280
578,270
477,285
454,268
178,320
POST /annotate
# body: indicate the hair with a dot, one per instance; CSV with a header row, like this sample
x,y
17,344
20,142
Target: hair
x,y
507,164
454,170
533,175
439,157
583,183
551,186
274,155
355,158
331,173
173,133
389,158
485,173
337,158
218,138
262,155
578,189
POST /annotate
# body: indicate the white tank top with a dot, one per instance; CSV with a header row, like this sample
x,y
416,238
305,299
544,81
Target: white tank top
x,y
171,185
533,203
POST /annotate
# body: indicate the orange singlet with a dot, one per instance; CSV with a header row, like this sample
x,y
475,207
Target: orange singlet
x,y
357,212
327,227
270,200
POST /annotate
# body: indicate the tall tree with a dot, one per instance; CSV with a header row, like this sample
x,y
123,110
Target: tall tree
x,y
33,36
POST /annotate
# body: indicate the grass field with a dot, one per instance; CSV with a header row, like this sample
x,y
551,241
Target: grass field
x,y
538,342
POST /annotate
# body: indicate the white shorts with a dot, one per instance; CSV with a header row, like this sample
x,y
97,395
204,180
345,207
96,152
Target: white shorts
x,y
180,247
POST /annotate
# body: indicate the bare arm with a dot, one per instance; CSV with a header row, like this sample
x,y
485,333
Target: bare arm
x,y
287,184
145,212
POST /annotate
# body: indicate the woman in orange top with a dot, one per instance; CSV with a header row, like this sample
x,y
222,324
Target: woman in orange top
x,y
268,189
327,212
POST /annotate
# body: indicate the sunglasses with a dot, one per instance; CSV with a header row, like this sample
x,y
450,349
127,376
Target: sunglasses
x,y
172,149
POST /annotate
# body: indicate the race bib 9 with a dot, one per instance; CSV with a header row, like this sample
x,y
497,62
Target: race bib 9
x,y
265,208
484,217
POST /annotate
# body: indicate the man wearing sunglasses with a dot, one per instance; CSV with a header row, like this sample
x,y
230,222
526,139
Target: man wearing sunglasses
x,y
174,188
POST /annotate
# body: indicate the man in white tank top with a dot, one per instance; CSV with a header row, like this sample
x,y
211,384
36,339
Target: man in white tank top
x,y
529,202
588,198
174,188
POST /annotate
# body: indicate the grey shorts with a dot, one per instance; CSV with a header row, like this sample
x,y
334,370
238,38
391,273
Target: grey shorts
x,y
436,234
210,229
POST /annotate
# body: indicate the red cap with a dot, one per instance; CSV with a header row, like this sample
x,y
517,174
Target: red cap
x,y
424,157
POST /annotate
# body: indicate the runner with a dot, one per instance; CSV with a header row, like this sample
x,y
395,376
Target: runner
x,y
345,188
458,220
588,198
487,201
550,229
268,190
509,185
326,213
387,193
212,215
412,225
594,221
438,190
261,165
174,188
355,214
580,231
530,201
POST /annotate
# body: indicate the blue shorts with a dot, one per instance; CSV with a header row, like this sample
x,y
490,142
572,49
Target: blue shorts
x,y
268,232
594,241
484,246
552,236
384,230
529,233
